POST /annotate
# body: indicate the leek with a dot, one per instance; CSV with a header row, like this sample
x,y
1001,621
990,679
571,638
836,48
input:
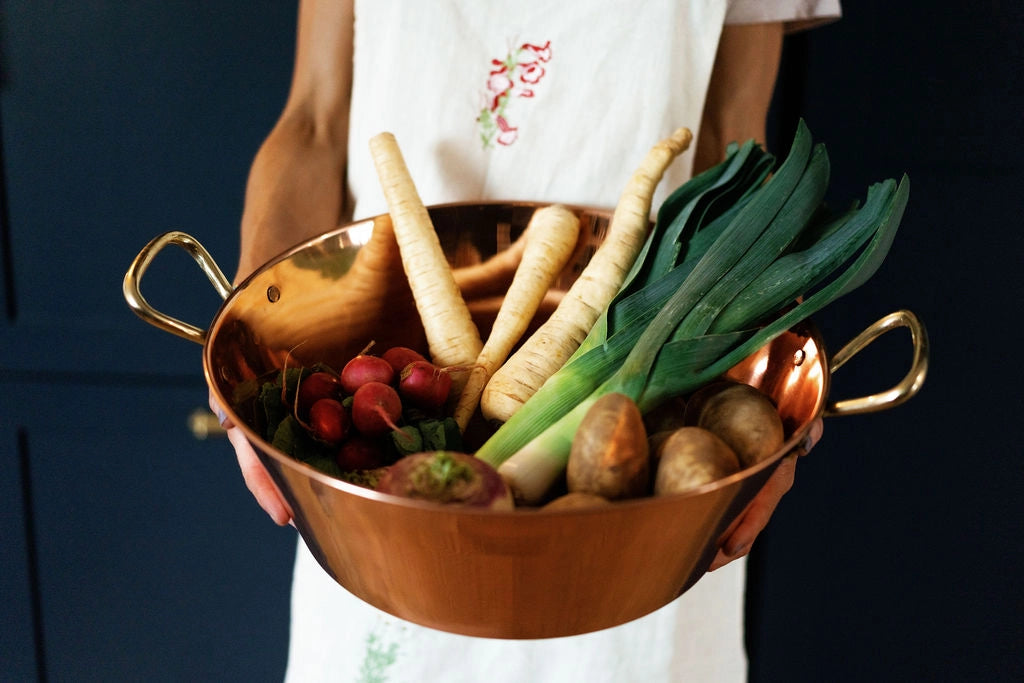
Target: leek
x,y
729,254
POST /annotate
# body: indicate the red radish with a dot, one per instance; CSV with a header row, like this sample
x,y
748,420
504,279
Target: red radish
x,y
376,408
359,452
365,368
329,420
424,384
316,386
447,477
401,356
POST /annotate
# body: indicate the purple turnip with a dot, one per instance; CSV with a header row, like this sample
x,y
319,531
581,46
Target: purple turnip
x,y
447,477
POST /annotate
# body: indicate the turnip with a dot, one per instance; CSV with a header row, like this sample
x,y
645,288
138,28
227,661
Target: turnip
x,y
424,384
376,408
447,477
363,369
329,421
400,356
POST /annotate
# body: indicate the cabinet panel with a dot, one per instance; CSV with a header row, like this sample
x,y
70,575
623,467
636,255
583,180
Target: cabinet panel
x,y
122,121
888,559
154,561
17,636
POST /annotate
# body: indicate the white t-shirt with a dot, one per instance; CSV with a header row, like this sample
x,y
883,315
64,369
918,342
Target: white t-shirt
x,y
547,101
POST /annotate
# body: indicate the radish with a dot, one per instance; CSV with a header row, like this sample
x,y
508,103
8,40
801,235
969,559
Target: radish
x,y
363,369
359,452
317,386
329,421
447,477
376,408
424,384
401,356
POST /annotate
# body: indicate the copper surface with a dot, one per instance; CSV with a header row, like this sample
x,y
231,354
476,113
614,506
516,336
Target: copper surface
x,y
521,574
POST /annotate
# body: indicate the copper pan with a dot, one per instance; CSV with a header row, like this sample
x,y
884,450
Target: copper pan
x,y
523,574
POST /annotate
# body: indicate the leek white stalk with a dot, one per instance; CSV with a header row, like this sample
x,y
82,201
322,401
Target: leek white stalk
x,y
724,286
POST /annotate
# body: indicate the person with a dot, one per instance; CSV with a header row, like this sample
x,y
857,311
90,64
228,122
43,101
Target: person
x,y
534,101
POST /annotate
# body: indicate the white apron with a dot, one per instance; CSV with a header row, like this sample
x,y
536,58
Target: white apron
x,y
533,100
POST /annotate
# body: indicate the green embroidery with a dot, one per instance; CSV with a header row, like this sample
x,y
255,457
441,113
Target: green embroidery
x,y
377,660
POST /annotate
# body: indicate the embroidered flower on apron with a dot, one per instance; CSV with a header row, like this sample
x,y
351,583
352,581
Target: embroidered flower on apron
x,y
510,79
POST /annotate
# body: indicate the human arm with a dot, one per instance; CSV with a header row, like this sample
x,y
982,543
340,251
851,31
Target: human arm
x,y
736,109
296,185
740,91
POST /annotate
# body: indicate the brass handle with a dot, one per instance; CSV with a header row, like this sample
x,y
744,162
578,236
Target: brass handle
x,y
204,424
906,388
133,279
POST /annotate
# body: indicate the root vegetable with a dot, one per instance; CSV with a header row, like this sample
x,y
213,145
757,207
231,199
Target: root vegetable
x,y
447,477
550,240
316,386
575,500
557,339
452,336
691,457
376,408
329,420
424,384
493,276
666,416
365,368
609,455
359,452
742,416
400,356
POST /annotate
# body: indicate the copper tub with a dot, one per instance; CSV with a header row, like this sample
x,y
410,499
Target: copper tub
x,y
524,574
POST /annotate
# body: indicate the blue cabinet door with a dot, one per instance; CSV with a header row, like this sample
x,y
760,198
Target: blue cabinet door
x,y
154,562
128,548
121,121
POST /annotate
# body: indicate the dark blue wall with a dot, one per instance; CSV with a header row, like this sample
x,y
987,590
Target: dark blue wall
x,y
895,556
130,549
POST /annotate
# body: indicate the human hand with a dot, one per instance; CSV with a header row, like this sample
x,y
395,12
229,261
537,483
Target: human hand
x,y
256,477
742,533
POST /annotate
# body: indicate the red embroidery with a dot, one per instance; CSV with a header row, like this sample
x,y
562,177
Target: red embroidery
x,y
510,79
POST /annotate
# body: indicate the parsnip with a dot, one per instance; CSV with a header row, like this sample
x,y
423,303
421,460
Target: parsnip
x,y
555,341
551,239
452,337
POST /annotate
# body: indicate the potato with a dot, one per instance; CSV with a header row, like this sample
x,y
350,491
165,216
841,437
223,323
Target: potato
x,y
666,416
691,457
575,500
742,416
609,455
